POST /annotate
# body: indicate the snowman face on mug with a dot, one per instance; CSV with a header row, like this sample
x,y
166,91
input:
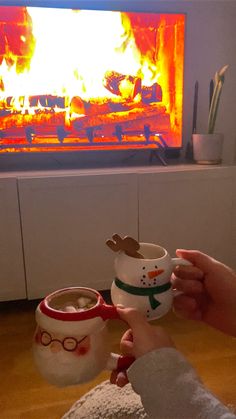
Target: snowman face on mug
x,y
150,271
141,274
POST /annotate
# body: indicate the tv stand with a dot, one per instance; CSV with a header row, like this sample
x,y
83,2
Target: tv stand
x,y
156,154
153,154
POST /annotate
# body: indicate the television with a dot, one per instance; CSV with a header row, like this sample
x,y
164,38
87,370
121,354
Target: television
x,y
89,80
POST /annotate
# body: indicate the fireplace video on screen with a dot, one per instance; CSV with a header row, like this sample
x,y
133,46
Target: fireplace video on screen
x,y
89,80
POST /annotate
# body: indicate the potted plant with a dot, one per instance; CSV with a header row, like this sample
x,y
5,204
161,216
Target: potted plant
x,y
207,148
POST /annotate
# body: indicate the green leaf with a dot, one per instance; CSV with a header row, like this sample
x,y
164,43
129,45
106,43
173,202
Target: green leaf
x,y
218,85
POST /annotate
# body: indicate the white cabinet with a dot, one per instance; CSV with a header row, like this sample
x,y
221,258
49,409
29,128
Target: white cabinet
x,y
65,223
190,209
12,277
64,218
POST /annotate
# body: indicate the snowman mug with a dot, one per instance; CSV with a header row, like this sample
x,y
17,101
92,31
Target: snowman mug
x,y
70,343
144,283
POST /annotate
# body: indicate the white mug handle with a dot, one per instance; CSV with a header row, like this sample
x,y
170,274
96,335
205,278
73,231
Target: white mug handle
x,y
176,262
180,261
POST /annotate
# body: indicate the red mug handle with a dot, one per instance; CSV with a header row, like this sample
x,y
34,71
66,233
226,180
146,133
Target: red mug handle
x,y
115,361
109,312
118,362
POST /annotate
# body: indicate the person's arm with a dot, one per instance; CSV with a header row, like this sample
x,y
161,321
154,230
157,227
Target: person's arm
x,y
167,384
170,388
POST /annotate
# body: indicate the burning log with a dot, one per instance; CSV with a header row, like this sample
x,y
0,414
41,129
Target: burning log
x,y
131,126
6,102
128,86
157,110
49,101
122,85
98,106
152,93
104,118
45,119
77,105
17,103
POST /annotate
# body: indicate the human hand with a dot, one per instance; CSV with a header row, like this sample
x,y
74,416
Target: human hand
x,y
208,291
140,339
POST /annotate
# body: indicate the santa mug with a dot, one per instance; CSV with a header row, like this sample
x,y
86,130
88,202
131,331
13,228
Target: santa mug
x,y
143,280
71,344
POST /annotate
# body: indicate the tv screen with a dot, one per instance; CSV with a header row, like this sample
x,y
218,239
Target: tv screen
x,y
90,79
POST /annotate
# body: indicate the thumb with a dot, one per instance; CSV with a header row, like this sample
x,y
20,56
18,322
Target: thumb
x,y
135,320
134,339
142,337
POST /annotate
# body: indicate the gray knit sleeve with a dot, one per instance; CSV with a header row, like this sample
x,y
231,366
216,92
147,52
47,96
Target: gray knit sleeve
x,y
170,388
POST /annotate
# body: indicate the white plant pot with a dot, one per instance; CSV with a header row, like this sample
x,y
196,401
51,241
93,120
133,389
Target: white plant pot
x,y
207,148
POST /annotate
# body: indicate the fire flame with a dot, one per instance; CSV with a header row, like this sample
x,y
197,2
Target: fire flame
x,y
57,66
72,56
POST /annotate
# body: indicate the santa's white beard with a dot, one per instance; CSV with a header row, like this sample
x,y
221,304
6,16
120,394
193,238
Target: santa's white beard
x,y
64,368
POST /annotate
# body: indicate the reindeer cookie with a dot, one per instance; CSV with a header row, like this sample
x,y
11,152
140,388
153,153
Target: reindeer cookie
x,y
143,272
129,245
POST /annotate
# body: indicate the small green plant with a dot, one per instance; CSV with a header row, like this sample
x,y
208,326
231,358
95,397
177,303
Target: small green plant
x,y
218,85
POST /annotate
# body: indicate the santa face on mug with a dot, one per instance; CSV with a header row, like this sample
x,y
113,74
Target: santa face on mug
x,y
68,360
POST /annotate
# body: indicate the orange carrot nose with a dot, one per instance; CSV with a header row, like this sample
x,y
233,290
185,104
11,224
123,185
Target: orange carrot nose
x,y
153,274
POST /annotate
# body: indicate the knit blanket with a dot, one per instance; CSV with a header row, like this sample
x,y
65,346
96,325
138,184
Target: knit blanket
x,y
107,401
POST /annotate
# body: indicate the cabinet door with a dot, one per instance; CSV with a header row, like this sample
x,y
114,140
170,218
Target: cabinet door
x,y
189,209
66,221
12,277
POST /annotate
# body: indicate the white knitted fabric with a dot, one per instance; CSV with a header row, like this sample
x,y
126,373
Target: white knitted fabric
x,y
107,401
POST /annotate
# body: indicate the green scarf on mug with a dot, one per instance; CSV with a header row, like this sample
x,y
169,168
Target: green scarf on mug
x,y
148,292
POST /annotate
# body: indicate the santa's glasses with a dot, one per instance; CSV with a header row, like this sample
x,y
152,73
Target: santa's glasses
x,y
68,343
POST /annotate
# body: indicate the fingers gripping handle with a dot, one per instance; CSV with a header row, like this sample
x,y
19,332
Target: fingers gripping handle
x,y
115,362
109,312
180,261
176,262
118,362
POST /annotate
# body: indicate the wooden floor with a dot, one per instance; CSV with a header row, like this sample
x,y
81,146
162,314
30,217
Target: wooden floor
x,y
25,395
